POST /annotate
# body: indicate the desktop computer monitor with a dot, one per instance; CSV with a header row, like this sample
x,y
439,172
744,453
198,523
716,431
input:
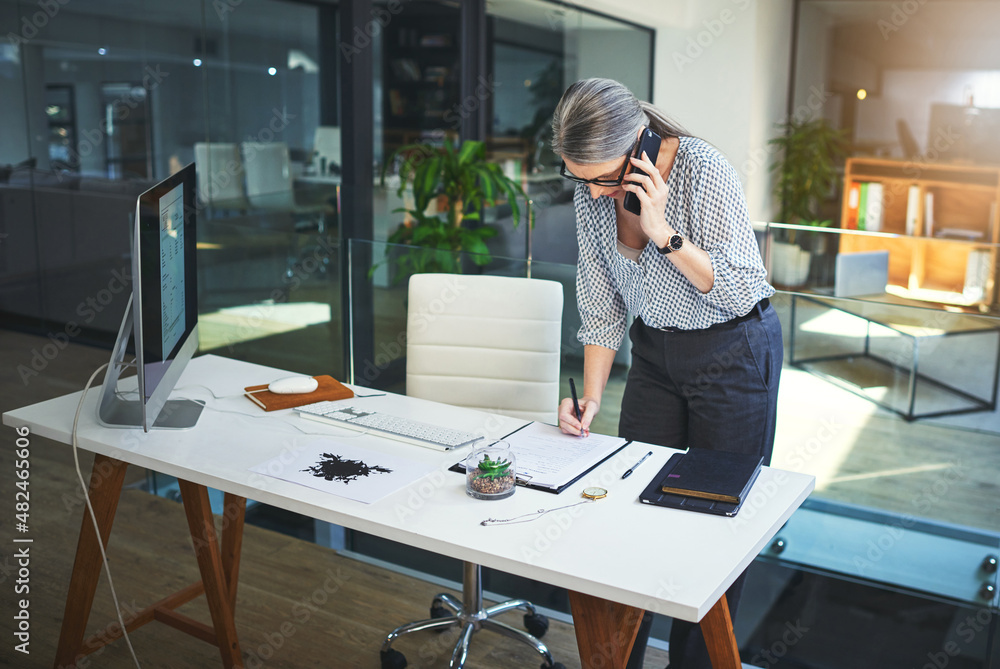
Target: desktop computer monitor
x,y
162,314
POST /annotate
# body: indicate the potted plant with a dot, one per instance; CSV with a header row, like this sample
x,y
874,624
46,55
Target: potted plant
x,y
462,182
806,165
489,471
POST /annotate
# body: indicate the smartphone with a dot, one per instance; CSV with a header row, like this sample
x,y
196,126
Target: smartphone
x,y
650,143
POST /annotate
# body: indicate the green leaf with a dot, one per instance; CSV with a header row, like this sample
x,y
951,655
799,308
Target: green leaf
x,y
471,149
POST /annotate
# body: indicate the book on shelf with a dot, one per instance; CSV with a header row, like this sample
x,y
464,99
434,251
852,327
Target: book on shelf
x,y
959,233
436,74
397,102
912,209
436,39
853,202
977,274
405,69
862,206
873,206
928,214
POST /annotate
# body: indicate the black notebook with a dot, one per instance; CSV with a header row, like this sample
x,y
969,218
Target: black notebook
x,y
706,481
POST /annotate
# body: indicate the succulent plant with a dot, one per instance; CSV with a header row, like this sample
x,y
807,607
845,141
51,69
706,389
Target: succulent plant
x,y
492,469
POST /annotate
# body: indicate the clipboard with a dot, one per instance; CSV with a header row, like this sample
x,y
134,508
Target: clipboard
x,y
525,482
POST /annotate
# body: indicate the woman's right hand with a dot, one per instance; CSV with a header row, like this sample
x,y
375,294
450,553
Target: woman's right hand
x,y
567,416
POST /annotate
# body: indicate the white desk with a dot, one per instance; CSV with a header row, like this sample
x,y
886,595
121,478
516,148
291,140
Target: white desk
x,y
615,549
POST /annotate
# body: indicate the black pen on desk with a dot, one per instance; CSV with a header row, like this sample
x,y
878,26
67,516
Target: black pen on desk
x,y
576,405
636,465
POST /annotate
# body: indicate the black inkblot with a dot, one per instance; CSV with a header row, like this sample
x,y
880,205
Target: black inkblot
x,y
335,468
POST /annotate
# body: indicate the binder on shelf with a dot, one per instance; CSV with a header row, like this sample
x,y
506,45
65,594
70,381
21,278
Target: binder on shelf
x,y
977,272
928,214
863,206
912,209
853,202
873,208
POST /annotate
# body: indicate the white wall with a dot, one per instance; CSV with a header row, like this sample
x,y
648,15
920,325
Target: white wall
x,y
623,55
721,70
909,94
768,103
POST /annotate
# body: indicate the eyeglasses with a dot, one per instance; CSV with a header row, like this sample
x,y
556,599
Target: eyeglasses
x,y
563,172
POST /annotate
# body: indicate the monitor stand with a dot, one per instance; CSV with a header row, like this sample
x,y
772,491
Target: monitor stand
x,y
116,411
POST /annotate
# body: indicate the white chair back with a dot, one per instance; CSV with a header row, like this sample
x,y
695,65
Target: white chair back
x,y
326,148
486,342
268,168
220,174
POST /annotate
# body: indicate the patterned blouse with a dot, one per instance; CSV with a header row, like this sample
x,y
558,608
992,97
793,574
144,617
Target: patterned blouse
x,y
706,206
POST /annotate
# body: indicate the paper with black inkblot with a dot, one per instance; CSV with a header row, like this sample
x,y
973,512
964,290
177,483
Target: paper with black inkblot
x,y
335,468
345,469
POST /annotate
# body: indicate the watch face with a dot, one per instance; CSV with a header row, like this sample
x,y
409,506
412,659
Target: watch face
x,y
676,242
595,493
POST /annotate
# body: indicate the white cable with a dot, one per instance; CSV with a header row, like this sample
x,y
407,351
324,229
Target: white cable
x,y
93,516
349,432
90,508
242,394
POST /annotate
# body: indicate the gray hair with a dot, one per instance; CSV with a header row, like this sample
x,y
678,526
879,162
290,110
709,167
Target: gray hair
x,y
598,120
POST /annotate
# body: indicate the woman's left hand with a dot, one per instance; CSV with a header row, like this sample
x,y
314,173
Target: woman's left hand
x,y
652,191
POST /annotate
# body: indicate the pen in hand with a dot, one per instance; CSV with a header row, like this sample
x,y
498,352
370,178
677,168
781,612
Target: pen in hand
x,y
576,407
636,465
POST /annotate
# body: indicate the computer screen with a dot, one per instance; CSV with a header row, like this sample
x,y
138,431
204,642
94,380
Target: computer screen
x,y
162,316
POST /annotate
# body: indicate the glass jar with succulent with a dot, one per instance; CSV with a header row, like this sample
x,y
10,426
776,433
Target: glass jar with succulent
x,y
464,181
490,471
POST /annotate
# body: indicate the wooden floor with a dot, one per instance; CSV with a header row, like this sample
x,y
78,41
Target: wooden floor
x,y
298,604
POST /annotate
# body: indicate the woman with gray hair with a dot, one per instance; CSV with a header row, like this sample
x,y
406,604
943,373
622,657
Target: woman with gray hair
x,y
706,344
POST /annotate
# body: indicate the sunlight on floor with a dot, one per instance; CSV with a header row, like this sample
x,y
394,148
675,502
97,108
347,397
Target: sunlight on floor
x,y
233,325
817,426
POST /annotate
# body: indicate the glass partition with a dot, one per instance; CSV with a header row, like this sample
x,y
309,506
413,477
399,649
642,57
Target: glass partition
x,y
539,48
98,106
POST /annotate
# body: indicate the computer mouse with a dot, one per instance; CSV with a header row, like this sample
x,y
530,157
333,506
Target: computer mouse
x,y
293,385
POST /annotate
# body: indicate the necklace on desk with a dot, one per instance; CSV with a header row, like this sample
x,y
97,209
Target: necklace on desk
x,y
591,494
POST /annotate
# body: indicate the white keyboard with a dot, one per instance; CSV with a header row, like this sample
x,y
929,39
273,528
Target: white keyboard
x,y
395,427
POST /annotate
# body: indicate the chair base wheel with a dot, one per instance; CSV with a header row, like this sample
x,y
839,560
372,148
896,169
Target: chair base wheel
x,y
536,624
438,611
392,659
554,665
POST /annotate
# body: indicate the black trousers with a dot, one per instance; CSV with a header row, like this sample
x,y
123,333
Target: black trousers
x,y
715,388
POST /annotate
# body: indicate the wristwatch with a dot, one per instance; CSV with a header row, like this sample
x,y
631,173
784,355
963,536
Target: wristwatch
x,y
673,244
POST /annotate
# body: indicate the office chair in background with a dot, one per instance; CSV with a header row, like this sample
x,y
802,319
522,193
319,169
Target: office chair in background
x,y
491,343
220,175
326,150
270,188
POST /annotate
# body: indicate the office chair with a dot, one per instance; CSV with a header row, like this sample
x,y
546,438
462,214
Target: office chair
x,y
220,175
490,343
326,150
270,188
